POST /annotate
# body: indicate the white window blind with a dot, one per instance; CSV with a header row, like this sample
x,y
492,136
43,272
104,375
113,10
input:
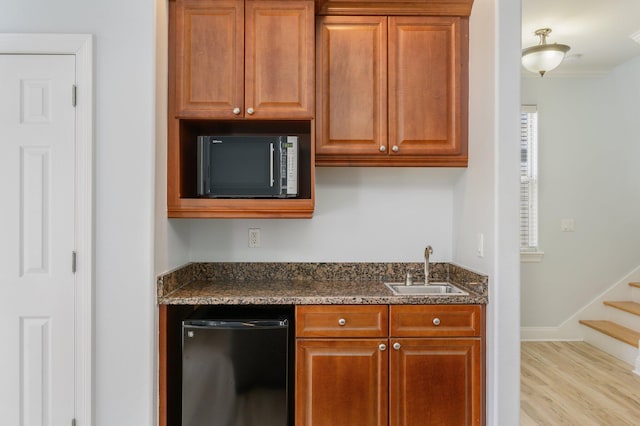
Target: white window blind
x,y
529,178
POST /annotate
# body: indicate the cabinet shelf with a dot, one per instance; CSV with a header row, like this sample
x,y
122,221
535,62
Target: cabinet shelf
x,y
182,201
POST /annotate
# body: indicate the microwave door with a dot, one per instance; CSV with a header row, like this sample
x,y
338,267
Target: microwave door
x,y
243,167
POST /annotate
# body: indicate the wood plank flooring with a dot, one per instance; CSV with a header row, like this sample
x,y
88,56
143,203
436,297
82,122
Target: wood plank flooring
x,y
574,383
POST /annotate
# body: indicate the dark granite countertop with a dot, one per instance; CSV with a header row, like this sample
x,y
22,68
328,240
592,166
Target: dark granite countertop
x,y
239,283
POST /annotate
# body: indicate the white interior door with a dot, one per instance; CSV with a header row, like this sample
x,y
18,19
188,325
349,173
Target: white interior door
x,y
37,237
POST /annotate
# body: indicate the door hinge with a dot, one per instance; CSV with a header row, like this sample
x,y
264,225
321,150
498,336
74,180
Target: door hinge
x,y
73,267
74,95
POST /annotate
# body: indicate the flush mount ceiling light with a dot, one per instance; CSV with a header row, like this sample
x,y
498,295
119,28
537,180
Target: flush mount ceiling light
x,y
543,57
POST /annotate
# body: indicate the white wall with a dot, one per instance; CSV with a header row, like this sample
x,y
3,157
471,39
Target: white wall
x,y
362,214
486,197
124,147
588,167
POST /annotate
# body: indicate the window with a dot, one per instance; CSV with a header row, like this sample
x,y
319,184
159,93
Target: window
x,y
529,181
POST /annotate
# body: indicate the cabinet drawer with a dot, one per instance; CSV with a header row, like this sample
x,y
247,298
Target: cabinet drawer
x,y
436,320
342,321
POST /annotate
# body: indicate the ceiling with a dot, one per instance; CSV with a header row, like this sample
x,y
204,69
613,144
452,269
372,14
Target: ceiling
x,y
601,33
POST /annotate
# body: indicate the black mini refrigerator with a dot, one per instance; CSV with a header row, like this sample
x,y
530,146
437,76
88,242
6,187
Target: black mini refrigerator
x,y
235,372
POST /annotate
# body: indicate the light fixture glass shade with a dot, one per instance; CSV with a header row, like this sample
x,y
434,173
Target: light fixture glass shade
x,y
543,57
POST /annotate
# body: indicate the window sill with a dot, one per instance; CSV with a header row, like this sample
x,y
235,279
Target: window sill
x,y
531,256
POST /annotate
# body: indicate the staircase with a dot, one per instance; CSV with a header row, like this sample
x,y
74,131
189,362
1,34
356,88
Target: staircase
x,y
618,334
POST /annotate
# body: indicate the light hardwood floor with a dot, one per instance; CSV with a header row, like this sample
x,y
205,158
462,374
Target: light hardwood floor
x,y
574,383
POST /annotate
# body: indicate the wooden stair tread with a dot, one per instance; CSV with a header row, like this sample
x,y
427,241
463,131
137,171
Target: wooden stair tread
x,y
627,306
636,284
614,330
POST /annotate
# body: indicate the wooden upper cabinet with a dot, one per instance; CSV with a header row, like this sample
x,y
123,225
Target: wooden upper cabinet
x,y
391,91
209,58
351,67
424,86
237,59
279,59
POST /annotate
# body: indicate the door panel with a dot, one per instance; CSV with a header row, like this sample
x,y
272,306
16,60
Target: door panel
x,y
341,382
425,85
352,85
37,151
279,59
210,66
441,377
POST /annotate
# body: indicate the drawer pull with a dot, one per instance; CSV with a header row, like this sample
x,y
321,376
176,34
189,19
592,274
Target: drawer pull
x,y
436,321
396,346
342,321
382,347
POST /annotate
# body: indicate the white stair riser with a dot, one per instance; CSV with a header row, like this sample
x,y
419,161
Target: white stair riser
x,y
621,317
614,347
635,294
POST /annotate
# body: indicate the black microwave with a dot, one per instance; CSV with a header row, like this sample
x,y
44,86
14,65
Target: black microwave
x,y
247,166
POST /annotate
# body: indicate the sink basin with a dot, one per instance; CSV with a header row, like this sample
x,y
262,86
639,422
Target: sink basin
x,y
431,289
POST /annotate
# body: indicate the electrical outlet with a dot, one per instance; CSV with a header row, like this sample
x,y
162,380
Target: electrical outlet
x,y
254,237
480,249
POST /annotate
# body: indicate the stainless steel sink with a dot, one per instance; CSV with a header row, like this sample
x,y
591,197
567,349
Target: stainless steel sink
x,y
421,289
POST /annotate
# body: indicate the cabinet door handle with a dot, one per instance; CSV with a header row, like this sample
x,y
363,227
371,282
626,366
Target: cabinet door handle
x,y
396,346
250,111
342,321
395,148
382,347
383,148
236,110
436,321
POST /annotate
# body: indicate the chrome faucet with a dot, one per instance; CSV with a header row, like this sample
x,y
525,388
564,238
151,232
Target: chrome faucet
x,y
427,251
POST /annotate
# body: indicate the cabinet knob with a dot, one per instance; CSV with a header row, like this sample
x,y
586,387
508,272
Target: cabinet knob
x,y
396,346
395,148
436,321
382,347
250,111
383,148
236,110
342,321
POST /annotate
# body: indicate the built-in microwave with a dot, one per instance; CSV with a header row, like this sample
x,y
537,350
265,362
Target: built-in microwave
x,y
247,166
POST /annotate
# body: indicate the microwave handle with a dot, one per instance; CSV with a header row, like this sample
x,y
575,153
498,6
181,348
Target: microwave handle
x,y
271,165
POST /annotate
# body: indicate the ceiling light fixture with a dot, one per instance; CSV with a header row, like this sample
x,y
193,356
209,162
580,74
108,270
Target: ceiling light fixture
x,y
543,57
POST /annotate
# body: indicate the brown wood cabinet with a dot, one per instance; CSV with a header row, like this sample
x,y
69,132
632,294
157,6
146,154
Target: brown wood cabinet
x,y
436,365
237,59
425,368
391,91
239,67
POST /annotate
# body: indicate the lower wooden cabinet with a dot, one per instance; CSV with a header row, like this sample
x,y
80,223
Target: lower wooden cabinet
x,y
340,382
393,378
435,382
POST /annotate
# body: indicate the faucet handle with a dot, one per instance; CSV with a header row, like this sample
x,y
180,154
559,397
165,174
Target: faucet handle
x,y
409,280
428,251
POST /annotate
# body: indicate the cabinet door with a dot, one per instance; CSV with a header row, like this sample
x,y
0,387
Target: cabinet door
x,y
435,382
351,84
341,382
279,59
209,58
425,115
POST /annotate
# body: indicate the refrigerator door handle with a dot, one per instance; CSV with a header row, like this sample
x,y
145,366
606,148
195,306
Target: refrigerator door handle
x,y
261,324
